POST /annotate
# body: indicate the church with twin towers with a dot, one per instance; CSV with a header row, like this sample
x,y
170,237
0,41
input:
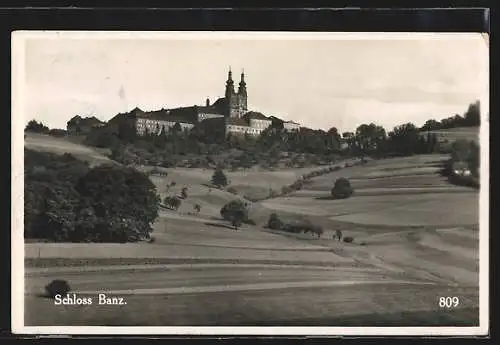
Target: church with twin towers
x,y
227,115
237,101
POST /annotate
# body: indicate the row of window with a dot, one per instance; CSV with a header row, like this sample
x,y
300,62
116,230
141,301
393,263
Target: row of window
x,y
260,123
243,129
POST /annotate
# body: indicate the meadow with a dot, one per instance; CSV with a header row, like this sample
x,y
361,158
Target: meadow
x,y
415,238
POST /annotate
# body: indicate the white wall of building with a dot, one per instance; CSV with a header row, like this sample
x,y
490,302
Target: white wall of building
x,y
260,124
291,126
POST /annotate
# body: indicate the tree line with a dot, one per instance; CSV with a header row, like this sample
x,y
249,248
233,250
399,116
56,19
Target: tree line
x,y
368,139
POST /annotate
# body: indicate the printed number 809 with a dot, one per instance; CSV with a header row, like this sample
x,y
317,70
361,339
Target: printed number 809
x,y
449,302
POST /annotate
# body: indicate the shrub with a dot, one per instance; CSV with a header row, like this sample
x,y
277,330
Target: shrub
x,y
57,287
249,222
219,178
286,190
152,240
184,193
57,132
273,193
348,239
232,190
232,208
342,189
197,208
274,222
173,202
238,219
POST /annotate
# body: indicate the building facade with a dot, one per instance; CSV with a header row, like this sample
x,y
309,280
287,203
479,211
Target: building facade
x,y
228,114
83,125
291,126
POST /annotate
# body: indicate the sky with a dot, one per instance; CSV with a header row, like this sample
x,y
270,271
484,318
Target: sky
x,y
318,80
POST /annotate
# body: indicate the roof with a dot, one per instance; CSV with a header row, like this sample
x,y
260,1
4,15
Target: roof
x,y
237,121
255,115
181,114
131,115
292,122
85,120
218,107
185,115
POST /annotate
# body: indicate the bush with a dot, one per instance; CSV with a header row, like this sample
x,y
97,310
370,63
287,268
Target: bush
x,y
219,178
57,287
184,193
274,222
237,219
342,189
152,240
286,190
172,202
232,190
59,133
348,239
234,208
249,222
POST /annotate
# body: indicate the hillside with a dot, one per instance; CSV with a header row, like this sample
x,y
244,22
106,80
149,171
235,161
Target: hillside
x,y
410,246
47,143
452,134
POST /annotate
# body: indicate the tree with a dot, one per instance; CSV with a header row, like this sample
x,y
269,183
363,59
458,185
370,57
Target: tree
x,y
124,198
173,202
274,222
342,189
369,137
472,115
51,203
431,125
233,207
219,178
184,192
316,230
333,139
338,234
197,208
36,127
473,159
238,217
404,139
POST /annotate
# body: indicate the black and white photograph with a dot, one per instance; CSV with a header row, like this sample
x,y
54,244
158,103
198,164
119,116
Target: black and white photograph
x,y
250,183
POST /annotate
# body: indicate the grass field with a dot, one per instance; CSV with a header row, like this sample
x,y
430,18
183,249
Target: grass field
x,y
452,134
415,239
46,143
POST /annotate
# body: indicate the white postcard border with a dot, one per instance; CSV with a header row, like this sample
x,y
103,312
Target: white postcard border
x,y
17,194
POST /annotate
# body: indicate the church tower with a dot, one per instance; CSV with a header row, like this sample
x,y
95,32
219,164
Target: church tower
x,y
242,96
231,97
236,102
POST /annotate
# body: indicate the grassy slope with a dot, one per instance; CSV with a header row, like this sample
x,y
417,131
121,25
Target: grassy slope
x,y
441,245
48,143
